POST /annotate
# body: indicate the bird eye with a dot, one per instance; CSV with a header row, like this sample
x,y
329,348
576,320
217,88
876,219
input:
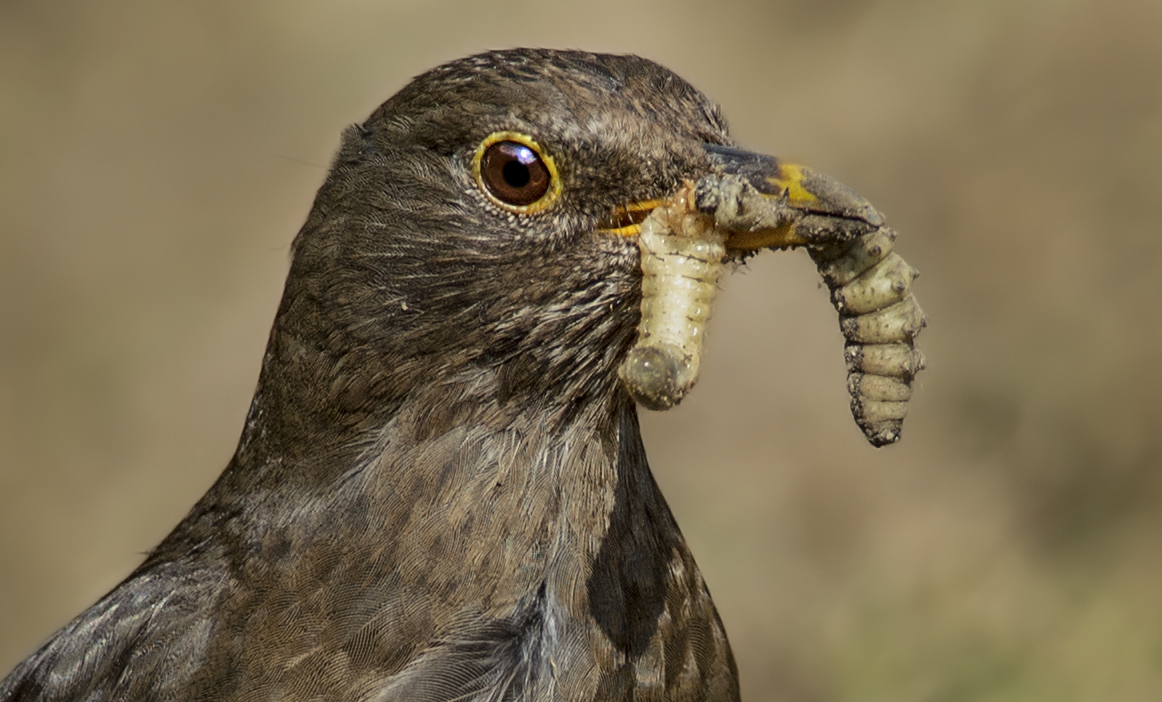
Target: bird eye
x,y
512,170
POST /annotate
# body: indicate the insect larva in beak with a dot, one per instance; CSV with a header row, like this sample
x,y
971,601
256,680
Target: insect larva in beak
x,y
684,241
681,258
870,285
871,288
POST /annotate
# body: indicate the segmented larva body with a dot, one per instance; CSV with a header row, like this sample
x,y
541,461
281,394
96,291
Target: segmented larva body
x,y
878,315
681,258
684,240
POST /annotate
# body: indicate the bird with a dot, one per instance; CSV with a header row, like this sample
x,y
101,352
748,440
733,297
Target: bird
x,y
441,490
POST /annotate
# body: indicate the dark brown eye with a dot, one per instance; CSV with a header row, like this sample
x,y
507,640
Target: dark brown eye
x,y
514,173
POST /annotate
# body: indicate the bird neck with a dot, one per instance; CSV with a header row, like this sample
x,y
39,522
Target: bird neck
x,y
479,509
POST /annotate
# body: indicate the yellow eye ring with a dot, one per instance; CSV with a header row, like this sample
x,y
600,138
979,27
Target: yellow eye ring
x,y
515,173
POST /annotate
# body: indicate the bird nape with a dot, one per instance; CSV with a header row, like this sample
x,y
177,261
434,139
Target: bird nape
x,y
441,492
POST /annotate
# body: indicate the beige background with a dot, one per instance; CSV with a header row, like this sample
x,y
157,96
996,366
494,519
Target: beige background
x,y
157,158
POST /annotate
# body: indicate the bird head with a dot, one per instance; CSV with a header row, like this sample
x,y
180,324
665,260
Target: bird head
x,y
476,237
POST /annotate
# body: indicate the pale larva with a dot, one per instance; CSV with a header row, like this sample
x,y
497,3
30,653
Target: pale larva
x,y
879,317
763,204
681,257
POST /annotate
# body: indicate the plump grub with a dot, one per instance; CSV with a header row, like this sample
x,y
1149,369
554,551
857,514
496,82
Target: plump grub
x,y
684,241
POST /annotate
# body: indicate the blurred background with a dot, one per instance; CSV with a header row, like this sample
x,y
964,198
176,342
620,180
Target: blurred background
x,y
156,160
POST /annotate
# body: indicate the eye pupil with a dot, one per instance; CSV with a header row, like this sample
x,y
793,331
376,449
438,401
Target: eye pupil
x,y
514,173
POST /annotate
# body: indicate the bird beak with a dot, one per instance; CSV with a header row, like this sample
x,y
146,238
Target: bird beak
x,y
799,205
626,220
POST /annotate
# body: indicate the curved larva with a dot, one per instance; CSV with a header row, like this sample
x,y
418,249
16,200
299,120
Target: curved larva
x,y
871,288
682,247
681,254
